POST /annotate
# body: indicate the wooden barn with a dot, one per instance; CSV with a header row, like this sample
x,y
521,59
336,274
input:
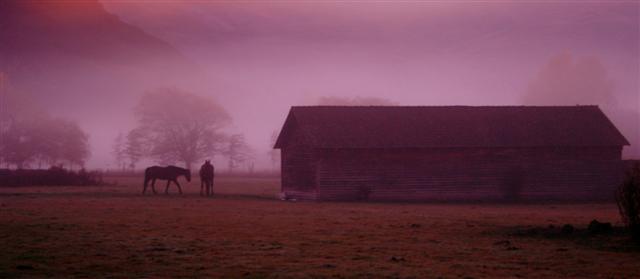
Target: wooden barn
x,y
450,153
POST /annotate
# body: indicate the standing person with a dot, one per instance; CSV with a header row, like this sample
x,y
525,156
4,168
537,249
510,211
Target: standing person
x,y
206,178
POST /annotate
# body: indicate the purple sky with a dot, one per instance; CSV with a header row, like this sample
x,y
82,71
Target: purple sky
x,y
265,57
257,59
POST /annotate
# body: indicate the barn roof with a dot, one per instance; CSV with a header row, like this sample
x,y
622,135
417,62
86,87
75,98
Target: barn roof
x,y
451,126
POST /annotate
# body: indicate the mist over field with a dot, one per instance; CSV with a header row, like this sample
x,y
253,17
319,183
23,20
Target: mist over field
x,y
340,139
92,61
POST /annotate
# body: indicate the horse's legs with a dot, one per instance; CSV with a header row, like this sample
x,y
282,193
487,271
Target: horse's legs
x,y
153,186
144,189
166,190
202,185
179,188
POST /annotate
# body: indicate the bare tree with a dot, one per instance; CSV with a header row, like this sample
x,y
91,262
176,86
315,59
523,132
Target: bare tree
x,y
20,117
117,150
47,140
74,142
30,135
134,148
238,151
628,200
568,81
180,126
17,145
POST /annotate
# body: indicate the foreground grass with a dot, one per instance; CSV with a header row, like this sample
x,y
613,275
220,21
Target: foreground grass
x,y
114,231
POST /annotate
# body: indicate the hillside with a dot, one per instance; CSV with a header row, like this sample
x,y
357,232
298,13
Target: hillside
x,y
67,49
80,62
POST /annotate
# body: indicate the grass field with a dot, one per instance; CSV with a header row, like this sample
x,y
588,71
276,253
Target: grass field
x,y
114,231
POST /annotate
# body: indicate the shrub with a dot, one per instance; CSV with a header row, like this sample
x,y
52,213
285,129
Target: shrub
x,y
628,199
52,176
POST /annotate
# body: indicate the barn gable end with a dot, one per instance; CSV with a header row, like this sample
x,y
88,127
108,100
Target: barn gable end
x,y
449,153
298,162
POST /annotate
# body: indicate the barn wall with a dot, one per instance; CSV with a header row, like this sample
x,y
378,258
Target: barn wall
x,y
469,174
298,168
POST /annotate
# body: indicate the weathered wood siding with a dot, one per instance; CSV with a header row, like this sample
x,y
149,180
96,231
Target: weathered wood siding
x,y
298,168
468,174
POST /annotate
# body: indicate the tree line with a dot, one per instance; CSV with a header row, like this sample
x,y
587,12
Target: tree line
x,y
31,138
174,126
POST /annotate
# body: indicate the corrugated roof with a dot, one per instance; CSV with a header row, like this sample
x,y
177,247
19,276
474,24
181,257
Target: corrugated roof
x,y
451,126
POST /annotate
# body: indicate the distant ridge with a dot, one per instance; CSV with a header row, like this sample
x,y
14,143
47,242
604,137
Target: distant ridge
x,y
77,46
82,29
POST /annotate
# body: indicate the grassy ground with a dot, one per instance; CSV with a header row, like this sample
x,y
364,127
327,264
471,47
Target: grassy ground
x,y
113,231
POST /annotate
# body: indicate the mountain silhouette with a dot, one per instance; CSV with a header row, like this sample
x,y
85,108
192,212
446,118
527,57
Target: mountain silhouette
x,y
82,63
66,49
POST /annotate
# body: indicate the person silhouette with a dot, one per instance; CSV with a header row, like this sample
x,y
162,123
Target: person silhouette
x,y
206,178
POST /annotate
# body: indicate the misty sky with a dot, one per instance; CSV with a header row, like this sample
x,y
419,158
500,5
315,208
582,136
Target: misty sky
x,y
265,57
258,59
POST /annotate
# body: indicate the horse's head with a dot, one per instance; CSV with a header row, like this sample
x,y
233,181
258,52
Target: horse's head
x,y
187,175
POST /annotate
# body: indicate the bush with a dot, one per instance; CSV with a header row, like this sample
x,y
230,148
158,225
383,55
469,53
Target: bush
x,y
628,199
52,176
596,227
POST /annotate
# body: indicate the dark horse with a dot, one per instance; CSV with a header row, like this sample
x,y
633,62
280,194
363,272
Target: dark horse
x,y
206,178
170,173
